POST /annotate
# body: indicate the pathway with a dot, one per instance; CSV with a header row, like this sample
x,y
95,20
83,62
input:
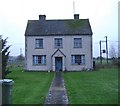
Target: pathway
x,y
57,92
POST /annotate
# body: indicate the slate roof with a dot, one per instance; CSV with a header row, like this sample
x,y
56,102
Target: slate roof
x,y
58,27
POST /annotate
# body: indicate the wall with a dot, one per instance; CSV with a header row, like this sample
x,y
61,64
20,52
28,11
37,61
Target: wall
x,y
68,49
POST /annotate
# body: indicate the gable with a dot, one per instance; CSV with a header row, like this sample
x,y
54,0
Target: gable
x,y
58,53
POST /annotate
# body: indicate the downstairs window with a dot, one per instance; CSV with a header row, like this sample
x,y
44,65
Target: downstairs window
x,y
39,59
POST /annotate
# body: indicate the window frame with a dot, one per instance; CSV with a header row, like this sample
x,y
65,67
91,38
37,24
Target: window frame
x,y
77,44
39,43
78,59
39,59
58,42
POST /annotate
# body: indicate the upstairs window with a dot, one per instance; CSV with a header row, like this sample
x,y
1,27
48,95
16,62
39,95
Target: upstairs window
x,y
39,59
39,43
77,42
78,59
58,42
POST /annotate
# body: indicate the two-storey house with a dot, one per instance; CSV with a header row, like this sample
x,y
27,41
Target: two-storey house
x,y
58,45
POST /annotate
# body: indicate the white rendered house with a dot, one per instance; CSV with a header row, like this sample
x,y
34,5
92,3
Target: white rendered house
x,y
58,45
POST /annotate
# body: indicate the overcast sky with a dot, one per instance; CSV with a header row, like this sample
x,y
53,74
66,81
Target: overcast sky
x,y
14,14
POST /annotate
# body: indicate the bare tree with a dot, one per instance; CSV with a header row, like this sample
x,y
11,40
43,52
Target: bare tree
x,y
114,56
112,52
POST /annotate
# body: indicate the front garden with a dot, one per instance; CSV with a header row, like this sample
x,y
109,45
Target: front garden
x,y
95,87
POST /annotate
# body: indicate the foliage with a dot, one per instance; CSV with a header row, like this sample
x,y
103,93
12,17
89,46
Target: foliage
x,y
113,52
5,55
96,87
115,61
118,61
20,58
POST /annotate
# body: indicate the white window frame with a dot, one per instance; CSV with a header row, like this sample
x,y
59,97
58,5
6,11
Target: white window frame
x,y
39,43
39,59
77,42
58,42
78,59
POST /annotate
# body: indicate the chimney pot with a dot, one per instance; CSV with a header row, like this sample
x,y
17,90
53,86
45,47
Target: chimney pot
x,y
76,16
42,17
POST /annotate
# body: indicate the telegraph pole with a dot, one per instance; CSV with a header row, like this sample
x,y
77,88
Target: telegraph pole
x,y
100,53
20,51
106,49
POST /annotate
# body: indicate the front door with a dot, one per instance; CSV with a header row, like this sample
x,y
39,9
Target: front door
x,y
58,63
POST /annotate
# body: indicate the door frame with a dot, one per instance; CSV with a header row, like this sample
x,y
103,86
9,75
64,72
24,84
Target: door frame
x,y
59,60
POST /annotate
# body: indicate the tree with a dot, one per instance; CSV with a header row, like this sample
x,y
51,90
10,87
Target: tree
x,y
113,55
5,55
20,58
112,52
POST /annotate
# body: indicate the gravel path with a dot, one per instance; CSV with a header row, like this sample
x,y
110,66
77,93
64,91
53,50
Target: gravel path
x,y
57,92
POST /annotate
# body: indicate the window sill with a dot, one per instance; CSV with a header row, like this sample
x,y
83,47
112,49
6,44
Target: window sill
x,y
58,47
39,48
78,64
39,64
77,47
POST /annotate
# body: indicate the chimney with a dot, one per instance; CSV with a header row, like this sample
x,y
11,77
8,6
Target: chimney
x,y
76,16
42,17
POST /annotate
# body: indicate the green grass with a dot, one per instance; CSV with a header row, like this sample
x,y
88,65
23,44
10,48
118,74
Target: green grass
x,y
96,87
29,87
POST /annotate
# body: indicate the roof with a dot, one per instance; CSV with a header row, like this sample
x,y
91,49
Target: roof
x,y
58,27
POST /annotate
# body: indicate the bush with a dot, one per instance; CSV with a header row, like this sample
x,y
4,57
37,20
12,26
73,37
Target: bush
x,y
116,61
98,66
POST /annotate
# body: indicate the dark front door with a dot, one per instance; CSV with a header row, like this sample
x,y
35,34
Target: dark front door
x,y
58,63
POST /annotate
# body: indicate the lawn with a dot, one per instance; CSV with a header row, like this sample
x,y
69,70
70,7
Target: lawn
x,y
96,87
29,87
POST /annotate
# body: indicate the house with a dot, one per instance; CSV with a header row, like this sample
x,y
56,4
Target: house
x,y
11,59
64,45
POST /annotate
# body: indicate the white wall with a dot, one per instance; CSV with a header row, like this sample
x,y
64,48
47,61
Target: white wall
x,y
68,49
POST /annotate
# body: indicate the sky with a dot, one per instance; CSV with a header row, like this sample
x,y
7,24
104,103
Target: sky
x,y
102,14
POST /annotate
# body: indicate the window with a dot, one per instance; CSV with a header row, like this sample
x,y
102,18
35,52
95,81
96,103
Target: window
x,y
58,42
77,42
78,59
39,59
38,43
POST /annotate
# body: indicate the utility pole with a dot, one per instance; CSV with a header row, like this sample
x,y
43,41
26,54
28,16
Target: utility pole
x,y
100,53
106,49
20,51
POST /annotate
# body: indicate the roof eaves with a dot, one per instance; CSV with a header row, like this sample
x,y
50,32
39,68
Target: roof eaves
x,y
58,34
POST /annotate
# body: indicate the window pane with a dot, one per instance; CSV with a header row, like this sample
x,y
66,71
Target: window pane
x,y
78,42
58,42
43,59
39,59
78,59
82,59
35,60
73,59
38,43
